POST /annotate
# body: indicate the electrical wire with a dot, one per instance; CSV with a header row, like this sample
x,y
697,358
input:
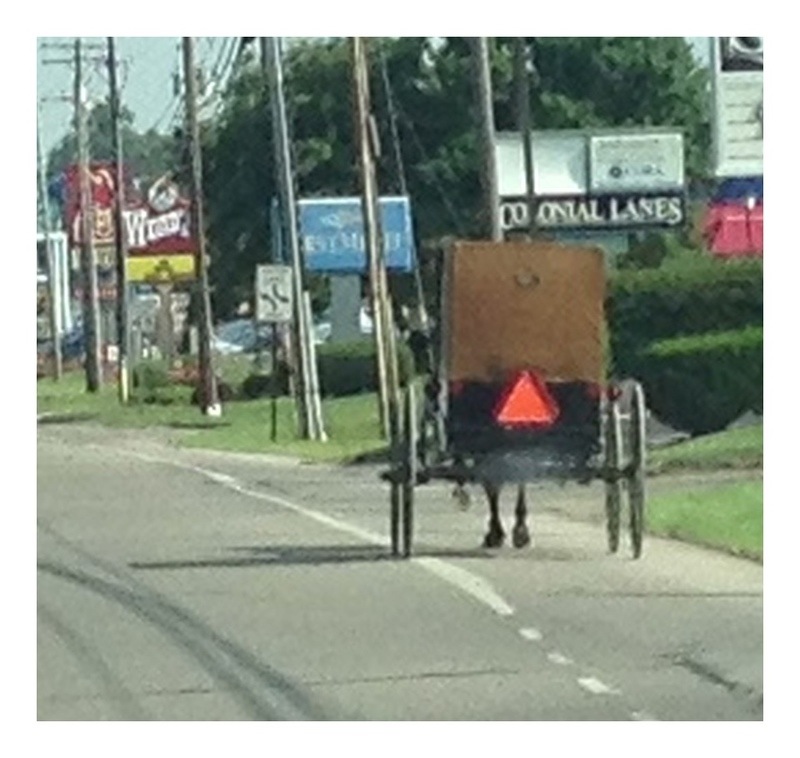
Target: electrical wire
x,y
394,104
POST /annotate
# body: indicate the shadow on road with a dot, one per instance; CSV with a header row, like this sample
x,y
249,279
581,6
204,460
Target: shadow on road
x,y
314,555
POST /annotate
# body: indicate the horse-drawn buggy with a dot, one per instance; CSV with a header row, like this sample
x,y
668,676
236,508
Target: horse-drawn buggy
x,y
519,390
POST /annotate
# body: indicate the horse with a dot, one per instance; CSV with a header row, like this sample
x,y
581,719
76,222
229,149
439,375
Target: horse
x,y
495,537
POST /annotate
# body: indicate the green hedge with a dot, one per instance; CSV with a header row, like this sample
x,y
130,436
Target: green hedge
x,y
703,382
643,307
349,368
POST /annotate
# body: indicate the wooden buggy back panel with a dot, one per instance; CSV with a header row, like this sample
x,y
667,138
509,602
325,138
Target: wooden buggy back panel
x,y
514,305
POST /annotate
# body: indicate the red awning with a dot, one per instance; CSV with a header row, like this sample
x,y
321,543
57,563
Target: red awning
x,y
734,230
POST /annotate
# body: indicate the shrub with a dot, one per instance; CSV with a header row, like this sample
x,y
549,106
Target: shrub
x,y
148,378
257,385
650,305
349,368
703,382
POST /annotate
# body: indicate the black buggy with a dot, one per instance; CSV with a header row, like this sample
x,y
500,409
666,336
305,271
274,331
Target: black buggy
x,y
519,392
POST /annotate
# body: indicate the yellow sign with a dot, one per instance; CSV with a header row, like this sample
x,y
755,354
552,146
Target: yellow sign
x,y
161,268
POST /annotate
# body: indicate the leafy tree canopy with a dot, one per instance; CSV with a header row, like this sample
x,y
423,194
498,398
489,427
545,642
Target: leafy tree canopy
x,y
426,85
148,155
424,88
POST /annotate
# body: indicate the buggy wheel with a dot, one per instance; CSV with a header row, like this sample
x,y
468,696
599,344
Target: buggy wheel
x,y
614,484
613,511
636,489
409,479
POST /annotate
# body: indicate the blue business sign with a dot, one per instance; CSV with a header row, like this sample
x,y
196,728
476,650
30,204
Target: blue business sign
x,y
332,234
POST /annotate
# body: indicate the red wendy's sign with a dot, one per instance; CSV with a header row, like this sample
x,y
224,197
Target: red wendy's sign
x,y
157,224
161,223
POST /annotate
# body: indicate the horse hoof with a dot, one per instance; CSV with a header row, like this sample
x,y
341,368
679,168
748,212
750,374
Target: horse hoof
x,y
521,537
494,539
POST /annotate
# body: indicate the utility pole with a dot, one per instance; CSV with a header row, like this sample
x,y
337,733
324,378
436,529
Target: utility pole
x,y
273,63
123,337
91,309
483,78
522,62
209,399
366,142
54,310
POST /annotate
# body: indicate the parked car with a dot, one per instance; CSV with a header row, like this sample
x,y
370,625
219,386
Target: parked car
x,y
241,336
72,345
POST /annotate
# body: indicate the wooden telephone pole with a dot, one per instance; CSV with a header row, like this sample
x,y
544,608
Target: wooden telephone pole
x,y
123,336
91,309
209,398
483,79
522,65
383,322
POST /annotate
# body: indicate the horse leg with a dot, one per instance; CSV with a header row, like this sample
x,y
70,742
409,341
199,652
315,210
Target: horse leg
x,y
495,536
520,536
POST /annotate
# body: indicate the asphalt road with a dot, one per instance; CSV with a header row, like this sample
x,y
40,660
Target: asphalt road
x,y
191,585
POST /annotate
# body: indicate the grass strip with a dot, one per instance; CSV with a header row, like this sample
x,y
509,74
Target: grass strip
x,y
727,517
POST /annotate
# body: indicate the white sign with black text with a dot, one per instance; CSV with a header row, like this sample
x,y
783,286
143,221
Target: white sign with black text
x,y
737,114
647,162
273,294
628,211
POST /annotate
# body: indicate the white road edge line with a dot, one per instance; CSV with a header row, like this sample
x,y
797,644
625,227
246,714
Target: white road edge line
x,y
470,584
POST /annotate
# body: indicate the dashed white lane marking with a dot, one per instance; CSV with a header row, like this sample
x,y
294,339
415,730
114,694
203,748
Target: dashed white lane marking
x,y
595,686
469,583
529,633
473,585
559,659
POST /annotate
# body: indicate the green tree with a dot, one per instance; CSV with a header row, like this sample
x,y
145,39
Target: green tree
x,y
579,83
147,155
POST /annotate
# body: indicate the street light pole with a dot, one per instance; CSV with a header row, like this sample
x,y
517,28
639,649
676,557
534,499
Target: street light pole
x,y
273,64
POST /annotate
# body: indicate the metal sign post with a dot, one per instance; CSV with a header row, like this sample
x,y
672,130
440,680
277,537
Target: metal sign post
x,y
274,305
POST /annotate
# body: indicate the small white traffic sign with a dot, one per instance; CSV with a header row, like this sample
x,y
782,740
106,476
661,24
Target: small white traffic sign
x,y
273,294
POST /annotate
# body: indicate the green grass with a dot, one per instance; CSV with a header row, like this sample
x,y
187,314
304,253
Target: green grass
x,y
733,449
350,424
727,517
245,426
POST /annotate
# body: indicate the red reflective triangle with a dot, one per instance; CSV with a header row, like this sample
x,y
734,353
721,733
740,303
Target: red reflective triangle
x,y
528,402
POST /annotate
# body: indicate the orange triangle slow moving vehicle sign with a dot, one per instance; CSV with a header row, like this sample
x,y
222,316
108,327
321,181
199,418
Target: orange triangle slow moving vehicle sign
x,y
528,403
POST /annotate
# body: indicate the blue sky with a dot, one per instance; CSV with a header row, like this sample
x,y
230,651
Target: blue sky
x,y
147,80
